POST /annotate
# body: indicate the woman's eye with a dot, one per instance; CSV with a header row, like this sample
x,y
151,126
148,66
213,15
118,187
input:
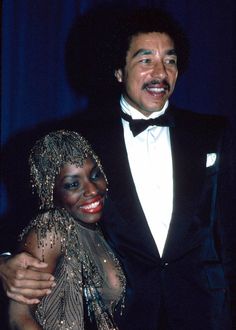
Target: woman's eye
x,y
71,185
96,174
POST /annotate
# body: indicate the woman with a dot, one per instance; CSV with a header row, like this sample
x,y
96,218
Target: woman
x,y
71,185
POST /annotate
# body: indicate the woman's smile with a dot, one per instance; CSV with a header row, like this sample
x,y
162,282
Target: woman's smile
x,y
93,206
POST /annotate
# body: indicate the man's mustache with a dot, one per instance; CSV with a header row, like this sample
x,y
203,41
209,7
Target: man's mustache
x,y
162,83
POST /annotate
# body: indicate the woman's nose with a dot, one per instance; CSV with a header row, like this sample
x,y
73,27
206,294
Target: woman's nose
x,y
90,189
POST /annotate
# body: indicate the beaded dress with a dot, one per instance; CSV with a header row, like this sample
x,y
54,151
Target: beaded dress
x,y
87,270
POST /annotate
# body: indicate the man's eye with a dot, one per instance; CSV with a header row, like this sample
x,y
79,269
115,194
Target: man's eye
x,y
171,61
71,185
145,60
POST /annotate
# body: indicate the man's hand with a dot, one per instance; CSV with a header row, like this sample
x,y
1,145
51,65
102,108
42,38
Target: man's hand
x,y
22,283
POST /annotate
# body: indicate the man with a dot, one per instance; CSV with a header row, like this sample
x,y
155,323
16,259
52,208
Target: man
x,y
161,213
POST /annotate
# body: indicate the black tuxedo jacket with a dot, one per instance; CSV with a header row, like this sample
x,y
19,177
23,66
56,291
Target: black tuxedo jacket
x,y
188,285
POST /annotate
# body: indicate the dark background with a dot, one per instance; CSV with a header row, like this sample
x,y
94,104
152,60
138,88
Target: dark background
x,y
46,77
35,84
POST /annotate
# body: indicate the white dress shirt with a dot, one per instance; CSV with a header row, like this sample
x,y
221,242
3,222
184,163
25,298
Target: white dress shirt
x,y
150,161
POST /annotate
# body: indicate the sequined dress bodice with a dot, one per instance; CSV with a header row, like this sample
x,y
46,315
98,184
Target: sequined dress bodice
x,y
87,270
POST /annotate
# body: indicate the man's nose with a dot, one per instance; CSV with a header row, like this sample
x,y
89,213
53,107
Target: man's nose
x,y
159,70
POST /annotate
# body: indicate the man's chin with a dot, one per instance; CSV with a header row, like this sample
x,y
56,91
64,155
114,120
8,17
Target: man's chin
x,y
148,111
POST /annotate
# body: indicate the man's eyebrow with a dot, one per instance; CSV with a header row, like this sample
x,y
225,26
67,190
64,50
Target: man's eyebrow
x,y
143,51
172,52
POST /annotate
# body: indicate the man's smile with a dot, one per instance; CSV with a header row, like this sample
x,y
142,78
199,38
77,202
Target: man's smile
x,y
156,85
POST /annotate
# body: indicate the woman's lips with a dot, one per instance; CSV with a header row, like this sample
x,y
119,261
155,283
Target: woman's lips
x,y
94,206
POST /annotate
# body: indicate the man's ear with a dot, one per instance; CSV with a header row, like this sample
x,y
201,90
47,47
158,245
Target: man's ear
x,y
119,75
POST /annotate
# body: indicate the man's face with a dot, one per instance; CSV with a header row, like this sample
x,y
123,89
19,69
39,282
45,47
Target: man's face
x,y
150,72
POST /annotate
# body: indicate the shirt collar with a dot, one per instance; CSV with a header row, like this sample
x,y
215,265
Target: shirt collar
x,y
135,114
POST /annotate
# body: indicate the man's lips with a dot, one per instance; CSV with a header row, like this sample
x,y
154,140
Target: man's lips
x,y
93,206
156,87
155,90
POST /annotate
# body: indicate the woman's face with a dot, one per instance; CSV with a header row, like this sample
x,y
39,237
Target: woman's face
x,y
81,191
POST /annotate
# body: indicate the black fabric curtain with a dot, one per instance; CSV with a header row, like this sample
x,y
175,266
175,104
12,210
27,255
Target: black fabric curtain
x,y
36,87
41,83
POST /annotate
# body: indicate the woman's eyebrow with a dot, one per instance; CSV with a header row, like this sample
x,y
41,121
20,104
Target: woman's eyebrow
x,y
71,176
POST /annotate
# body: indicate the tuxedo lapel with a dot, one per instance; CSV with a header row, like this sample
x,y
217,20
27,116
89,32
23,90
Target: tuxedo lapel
x,y
190,143
123,192
186,180
122,185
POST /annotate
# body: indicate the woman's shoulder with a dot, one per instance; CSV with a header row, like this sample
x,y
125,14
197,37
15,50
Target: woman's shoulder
x,y
49,229
54,220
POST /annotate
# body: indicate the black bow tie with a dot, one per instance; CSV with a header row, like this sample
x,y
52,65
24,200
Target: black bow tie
x,y
137,126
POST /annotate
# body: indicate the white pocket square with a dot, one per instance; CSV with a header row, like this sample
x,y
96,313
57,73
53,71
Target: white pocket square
x,y
211,159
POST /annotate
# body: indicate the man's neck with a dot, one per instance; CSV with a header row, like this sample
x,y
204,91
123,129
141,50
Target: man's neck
x,y
135,114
